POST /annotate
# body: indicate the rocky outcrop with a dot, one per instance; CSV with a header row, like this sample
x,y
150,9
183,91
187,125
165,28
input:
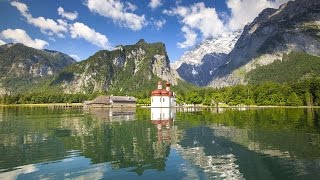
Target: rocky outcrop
x,y
292,27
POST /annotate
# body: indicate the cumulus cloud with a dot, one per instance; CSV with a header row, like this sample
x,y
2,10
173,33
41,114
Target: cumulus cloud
x,y
68,15
155,3
197,17
118,12
47,26
80,30
20,36
159,23
244,11
74,56
190,36
2,42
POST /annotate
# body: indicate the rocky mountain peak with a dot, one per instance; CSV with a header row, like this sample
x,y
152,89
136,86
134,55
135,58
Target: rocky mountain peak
x,y
197,65
141,41
127,68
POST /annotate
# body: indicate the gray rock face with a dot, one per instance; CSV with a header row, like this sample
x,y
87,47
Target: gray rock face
x,y
201,74
295,26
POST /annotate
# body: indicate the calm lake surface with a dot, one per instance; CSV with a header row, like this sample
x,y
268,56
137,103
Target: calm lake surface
x,y
45,143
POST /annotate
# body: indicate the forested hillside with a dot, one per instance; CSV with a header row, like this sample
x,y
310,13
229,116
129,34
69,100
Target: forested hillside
x,y
293,67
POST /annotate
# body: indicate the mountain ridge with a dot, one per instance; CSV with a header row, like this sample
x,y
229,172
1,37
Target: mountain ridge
x,y
126,69
22,66
292,27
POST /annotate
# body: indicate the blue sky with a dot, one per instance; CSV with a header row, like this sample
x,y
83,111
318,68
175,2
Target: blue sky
x,y
82,27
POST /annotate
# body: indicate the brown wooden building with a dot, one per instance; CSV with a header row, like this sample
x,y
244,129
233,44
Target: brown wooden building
x,y
112,101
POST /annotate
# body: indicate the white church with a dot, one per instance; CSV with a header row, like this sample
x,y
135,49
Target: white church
x,y
163,98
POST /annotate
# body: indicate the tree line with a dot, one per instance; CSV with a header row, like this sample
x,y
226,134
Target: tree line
x,y
41,98
306,92
302,93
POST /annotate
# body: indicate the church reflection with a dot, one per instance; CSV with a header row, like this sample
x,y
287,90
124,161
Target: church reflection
x,y
163,118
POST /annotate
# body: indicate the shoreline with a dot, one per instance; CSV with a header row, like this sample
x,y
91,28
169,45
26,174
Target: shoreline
x,y
44,105
81,105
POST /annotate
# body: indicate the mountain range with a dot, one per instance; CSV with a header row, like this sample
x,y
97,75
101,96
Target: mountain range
x,y
127,69
284,37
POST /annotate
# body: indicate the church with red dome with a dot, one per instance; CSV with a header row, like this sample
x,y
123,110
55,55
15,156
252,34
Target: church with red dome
x,y
163,97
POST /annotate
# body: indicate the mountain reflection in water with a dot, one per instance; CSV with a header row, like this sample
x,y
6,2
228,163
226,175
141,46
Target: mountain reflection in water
x,y
157,143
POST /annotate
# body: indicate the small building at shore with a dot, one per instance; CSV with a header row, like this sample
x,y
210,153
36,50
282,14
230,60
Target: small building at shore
x,y
163,97
111,101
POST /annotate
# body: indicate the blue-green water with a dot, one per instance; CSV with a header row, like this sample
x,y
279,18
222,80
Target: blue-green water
x,y
45,143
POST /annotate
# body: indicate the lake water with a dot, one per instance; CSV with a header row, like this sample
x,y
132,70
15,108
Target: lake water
x,y
45,143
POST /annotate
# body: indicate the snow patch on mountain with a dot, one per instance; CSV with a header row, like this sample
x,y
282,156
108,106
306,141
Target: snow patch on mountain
x,y
222,44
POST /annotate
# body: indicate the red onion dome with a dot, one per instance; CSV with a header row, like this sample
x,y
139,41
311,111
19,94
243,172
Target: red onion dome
x,y
164,92
167,84
156,92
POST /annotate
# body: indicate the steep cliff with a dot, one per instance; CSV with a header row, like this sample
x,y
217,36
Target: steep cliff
x,y
295,26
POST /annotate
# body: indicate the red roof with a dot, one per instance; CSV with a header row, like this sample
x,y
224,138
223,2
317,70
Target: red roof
x,y
156,92
162,122
161,92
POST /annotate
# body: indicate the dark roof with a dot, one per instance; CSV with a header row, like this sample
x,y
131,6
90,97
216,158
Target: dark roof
x,y
123,98
108,99
101,100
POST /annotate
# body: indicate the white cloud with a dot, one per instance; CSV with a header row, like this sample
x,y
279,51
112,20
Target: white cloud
x,y
69,15
62,22
74,56
197,17
190,36
130,7
155,3
244,11
20,36
205,20
80,30
159,23
47,26
117,11
2,42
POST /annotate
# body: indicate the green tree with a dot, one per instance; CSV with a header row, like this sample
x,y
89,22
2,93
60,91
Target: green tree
x,y
308,99
294,100
193,97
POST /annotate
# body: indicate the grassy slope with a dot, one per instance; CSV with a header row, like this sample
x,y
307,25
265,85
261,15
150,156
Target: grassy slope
x,y
293,67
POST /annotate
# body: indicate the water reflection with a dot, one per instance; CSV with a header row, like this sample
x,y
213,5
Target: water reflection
x,y
37,143
112,114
